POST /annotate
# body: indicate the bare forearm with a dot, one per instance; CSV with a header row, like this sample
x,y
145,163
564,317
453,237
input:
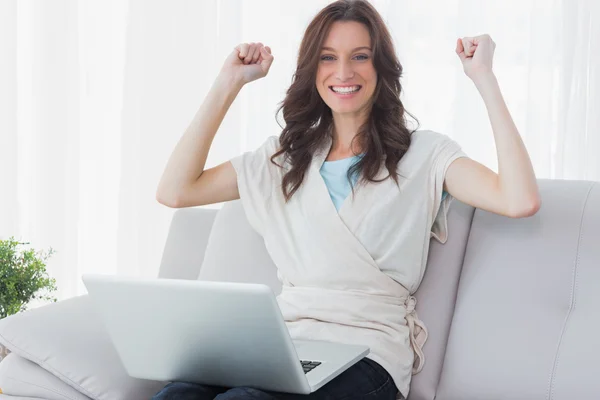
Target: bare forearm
x,y
516,176
187,161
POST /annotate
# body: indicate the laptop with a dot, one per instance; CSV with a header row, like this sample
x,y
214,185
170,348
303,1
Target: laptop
x,y
215,333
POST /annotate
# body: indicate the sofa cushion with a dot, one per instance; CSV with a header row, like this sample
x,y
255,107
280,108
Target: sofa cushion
x,y
21,377
186,242
236,252
436,297
67,340
526,322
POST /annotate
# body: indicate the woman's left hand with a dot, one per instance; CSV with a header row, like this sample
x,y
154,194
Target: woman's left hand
x,y
476,54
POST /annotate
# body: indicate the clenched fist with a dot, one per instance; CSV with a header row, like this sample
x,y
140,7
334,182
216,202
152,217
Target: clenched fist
x,y
248,62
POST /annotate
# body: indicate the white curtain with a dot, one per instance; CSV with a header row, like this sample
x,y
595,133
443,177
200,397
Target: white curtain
x,y
94,95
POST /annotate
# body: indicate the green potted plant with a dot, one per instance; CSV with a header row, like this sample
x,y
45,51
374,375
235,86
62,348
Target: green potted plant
x,y
23,278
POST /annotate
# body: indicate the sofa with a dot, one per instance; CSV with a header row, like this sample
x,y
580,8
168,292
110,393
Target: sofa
x,y
512,306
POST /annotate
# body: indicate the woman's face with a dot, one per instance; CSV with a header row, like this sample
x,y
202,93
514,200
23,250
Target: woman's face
x,y
346,61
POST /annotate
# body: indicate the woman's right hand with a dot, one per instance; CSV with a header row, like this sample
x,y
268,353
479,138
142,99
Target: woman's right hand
x,y
248,62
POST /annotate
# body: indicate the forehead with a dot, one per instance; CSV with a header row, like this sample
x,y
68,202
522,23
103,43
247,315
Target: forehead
x,y
347,35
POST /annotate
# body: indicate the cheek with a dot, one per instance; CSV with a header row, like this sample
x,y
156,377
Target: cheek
x,y
372,82
322,74
369,73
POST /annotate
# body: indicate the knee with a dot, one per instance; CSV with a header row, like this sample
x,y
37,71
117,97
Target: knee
x,y
174,390
244,392
168,391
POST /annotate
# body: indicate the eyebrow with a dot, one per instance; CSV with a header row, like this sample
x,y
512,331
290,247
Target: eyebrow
x,y
358,48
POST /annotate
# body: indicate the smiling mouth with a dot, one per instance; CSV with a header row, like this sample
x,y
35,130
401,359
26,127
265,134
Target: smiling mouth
x,y
355,91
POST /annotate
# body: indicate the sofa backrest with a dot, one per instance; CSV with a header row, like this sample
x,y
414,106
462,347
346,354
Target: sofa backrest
x,y
526,323
509,303
186,242
236,253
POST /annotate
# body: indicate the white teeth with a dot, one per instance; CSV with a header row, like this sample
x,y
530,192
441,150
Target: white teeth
x,y
345,90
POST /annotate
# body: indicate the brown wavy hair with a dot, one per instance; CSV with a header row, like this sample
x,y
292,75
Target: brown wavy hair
x,y
308,119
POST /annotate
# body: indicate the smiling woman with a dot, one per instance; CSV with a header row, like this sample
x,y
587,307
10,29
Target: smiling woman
x,y
337,253
344,104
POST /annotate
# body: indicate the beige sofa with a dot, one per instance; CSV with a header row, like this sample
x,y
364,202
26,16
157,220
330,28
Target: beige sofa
x,y
512,306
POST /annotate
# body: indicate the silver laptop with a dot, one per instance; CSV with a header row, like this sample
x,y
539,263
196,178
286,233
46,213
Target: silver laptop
x,y
214,333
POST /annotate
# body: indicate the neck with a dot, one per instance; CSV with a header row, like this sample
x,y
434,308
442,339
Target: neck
x,y
345,128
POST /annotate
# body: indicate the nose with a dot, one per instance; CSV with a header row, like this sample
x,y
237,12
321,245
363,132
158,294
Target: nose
x,y
344,71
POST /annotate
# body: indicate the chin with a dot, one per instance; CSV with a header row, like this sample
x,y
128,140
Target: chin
x,y
349,108
346,110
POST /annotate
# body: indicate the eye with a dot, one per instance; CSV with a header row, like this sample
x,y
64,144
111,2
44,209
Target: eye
x,y
326,58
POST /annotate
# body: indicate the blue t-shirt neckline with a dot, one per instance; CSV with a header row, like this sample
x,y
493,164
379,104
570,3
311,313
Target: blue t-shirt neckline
x,y
345,159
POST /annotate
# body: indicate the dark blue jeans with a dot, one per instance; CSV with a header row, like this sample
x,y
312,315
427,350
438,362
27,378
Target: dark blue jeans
x,y
364,380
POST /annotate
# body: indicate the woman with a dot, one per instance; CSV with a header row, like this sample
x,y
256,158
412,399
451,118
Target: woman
x,y
349,256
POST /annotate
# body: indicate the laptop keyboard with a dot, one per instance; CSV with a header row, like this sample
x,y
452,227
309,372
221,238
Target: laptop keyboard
x,y
309,365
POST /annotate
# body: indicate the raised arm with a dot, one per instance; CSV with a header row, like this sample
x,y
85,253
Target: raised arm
x,y
184,182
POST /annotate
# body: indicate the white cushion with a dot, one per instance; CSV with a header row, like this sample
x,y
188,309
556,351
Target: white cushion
x,y
21,377
67,340
235,252
526,322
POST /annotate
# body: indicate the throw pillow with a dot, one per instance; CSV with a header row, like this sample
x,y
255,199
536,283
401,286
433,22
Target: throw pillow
x,y
68,341
21,377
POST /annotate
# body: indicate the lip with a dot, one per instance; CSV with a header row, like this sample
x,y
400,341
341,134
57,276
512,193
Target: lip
x,y
345,96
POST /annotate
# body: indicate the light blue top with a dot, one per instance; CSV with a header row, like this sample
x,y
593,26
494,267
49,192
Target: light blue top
x,y
334,175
